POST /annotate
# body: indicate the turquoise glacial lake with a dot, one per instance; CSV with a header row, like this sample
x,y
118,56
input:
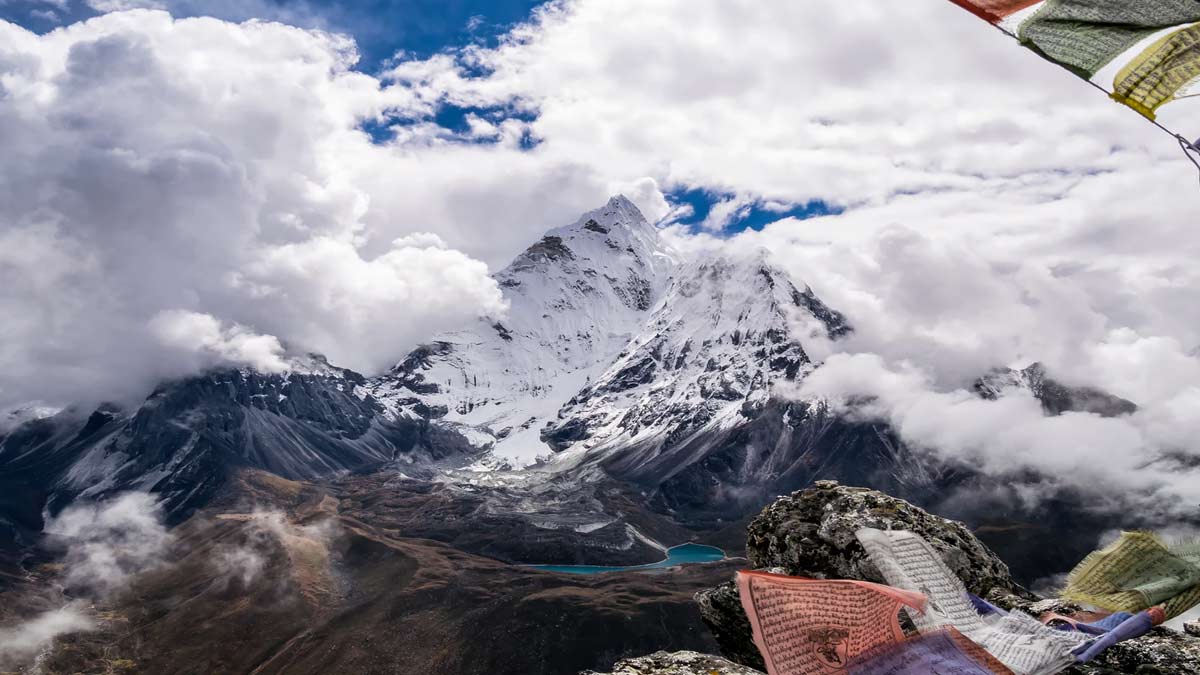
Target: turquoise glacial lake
x,y
686,554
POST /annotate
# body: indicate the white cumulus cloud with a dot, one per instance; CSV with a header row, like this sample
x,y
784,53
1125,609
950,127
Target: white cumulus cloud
x,y
178,194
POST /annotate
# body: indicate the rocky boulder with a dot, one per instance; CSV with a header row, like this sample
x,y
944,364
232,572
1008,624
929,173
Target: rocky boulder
x,y
1162,652
811,534
677,663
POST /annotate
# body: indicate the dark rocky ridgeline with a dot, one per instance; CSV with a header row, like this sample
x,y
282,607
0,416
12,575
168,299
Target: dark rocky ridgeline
x,y
1056,398
811,534
188,436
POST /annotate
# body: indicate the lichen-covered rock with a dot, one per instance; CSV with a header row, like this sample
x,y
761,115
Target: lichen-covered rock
x,y
677,663
722,611
811,534
1192,628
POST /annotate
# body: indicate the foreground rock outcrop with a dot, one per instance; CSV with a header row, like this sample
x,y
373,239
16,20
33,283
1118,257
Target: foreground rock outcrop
x,y
677,663
811,533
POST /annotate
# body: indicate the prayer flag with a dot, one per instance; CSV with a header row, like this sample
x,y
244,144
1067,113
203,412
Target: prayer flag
x,y
1144,53
815,627
1135,573
947,652
1016,639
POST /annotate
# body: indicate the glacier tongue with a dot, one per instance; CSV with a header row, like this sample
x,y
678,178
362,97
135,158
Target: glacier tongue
x,y
576,298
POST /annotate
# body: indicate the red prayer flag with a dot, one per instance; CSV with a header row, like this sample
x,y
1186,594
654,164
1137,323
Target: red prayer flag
x,y
994,10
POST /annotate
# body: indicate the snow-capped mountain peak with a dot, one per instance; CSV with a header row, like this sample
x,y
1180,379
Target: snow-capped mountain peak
x,y
576,297
617,352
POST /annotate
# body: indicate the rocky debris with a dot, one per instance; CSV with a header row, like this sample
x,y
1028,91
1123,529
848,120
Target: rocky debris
x,y
1192,628
1162,652
811,533
677,663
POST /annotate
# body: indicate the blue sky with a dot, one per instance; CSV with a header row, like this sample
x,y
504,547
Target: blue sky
x,y
381,27
753,215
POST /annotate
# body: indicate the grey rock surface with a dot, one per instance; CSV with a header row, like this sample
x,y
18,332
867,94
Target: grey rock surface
x,y
677,663
1055,397
811,533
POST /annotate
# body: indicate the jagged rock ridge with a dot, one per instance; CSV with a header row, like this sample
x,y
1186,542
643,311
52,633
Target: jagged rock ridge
x,y
186,438
1056,398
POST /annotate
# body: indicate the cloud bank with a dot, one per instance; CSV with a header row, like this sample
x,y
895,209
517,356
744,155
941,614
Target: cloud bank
x,y
935,313
108,542
269,532
178,194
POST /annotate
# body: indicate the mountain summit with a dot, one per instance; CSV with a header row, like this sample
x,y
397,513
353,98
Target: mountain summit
x,y
622,358
576,298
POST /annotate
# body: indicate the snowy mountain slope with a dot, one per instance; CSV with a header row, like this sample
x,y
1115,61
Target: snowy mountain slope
x,y
619,358
691,412
576,298
716,344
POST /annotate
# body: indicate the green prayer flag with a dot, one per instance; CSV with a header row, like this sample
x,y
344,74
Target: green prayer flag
x,y
1085,35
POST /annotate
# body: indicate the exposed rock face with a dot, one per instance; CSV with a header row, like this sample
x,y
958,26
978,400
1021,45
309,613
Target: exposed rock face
x,y
677,663
722,612
185,439
1055,397
811,534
